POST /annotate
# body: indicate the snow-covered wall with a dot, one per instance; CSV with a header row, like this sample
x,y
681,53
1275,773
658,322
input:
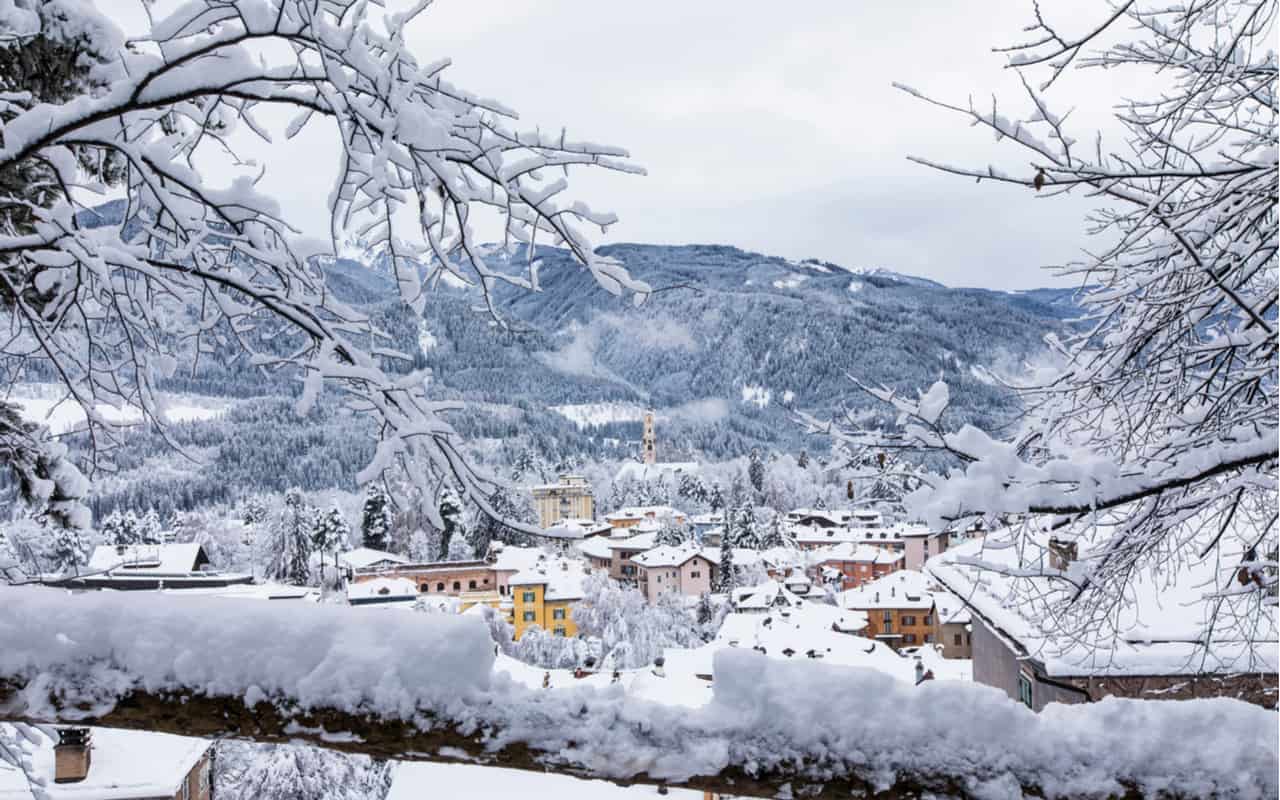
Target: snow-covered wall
x,y
809,722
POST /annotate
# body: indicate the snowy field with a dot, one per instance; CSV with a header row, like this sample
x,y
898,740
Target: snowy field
x,y
44,403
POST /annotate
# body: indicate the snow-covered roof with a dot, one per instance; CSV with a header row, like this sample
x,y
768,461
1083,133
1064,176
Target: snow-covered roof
x,y
124,765
641,541
951,609
710,518
510,558
770,594
365,557
381,590
856,551
668,555
640,512
636,471
562,577
905,588
575,529
600,547
891,534
1163,622
147,559
828,632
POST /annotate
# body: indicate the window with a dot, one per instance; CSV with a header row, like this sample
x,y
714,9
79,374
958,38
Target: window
x,y
471,584
557,613
659,578
908,619
440,586
928,619
558,630
888,617
457,586
928,637
957,640
528,597
529,616
909,638
1024,690
888,627
695,574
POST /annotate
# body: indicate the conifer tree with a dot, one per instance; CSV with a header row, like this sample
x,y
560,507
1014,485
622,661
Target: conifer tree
x,y
149,527
745,533
451,516
332,532
727,575
375,522
716,500
755,470
291,538
67,551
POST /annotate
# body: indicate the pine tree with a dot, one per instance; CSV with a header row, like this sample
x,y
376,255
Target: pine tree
x,y
727,575
755,470
120,529
486,529
290,541
149,528
332,532
745,531
670,534
716,500
803,460
375,522
774,535
451,517
67,551
254,511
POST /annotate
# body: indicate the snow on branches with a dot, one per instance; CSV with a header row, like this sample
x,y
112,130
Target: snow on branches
x,y
191,269
1155,436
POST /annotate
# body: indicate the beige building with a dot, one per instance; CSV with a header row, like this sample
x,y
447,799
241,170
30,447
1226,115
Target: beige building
x,y
679,570
569,499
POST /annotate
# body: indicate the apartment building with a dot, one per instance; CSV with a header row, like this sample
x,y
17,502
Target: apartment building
x,y
899,608
544,594
571,498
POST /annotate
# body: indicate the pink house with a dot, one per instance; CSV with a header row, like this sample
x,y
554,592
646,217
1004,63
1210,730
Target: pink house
x,y
679,570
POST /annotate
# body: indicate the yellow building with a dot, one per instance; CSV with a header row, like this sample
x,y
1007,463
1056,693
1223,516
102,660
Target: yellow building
x,y
569,499
544,596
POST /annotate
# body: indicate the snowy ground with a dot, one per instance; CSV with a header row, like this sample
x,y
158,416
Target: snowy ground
x,y
40,403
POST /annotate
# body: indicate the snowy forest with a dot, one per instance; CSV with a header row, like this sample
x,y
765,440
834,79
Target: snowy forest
x,y
429,482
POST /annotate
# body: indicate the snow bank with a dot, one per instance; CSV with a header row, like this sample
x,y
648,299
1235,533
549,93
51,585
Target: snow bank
x,y
810,722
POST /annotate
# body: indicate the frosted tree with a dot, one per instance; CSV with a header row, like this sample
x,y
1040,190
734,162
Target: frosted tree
x,y
67,551
756,470
716,498
1153,439
451,526
509,507
149,528
245,771
254,511
290,541
46,479
199,260
375,518
745,528
459,549
120,528
671,533
332,533
775,534
726,579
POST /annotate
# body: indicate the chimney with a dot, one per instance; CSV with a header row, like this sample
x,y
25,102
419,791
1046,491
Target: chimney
x,y
71,755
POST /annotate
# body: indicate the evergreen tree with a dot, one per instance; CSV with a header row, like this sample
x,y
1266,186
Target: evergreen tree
x,y
774,535
291,535
745,533
120,529
375,522
451,517
332,533
802,461
67,551
755,470
149,529
254,511
670,533
716,500
486,529
727,575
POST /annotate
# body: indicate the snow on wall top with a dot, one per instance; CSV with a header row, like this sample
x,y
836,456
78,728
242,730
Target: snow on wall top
x,y
805,719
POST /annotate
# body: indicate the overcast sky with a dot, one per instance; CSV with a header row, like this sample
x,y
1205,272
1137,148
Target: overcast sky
x,y
772,126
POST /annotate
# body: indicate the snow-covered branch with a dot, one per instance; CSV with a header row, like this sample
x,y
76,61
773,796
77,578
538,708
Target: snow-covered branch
x,y
1155,434
192,268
